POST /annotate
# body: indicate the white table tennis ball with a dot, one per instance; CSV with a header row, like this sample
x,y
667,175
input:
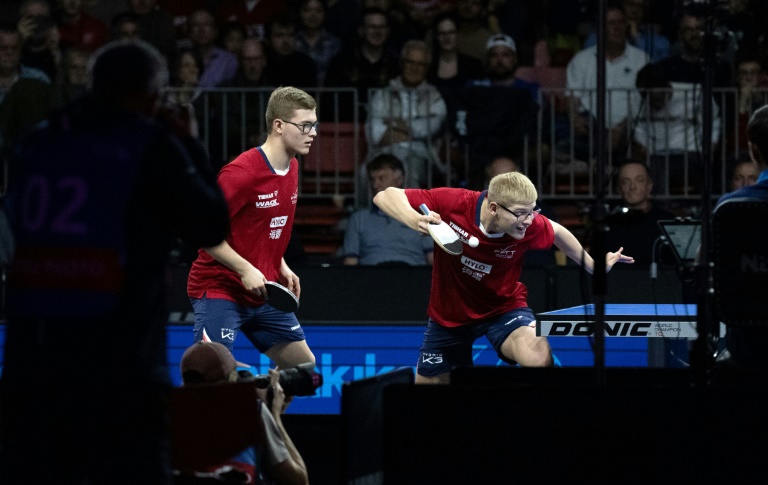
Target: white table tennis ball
x,y
473,242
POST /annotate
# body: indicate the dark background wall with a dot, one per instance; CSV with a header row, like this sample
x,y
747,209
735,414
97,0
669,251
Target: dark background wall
x,y
340,294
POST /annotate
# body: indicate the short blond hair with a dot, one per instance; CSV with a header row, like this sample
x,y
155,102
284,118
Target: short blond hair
x,y
512,188
284,101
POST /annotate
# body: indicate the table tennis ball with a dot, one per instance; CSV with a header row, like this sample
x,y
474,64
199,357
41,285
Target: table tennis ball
x,y
473,242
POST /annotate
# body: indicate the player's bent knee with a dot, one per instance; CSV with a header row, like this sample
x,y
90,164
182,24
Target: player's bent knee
x,y
438,379
291,354
540,358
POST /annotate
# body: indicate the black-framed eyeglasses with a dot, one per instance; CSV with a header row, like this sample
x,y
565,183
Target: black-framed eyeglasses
x,y
521,216
304,127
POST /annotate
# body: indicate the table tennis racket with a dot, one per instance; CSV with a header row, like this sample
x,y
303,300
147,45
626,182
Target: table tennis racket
x,y
281,297
444,236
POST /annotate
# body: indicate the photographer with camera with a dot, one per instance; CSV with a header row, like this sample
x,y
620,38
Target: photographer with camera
x,y
277,460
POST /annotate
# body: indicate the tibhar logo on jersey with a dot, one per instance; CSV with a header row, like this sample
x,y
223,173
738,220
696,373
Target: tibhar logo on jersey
x,y
430,358
462,233
295,197
267,200
227,334
506,253
278,221
268,196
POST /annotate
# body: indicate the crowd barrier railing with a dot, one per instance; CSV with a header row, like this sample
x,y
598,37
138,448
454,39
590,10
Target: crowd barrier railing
x,y
559,157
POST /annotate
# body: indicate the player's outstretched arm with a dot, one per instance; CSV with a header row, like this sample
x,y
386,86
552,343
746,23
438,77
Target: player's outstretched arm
x,y
568,244
617,257
395,204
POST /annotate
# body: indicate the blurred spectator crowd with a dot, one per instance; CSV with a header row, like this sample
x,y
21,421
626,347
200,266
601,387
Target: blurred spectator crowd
x,y
446,86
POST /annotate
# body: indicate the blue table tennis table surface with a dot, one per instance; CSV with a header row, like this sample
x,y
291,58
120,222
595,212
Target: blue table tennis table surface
x,y
634,311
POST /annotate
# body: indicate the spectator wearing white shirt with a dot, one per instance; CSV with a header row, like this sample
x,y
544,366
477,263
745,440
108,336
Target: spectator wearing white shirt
x,y
622,63
405,118
669,129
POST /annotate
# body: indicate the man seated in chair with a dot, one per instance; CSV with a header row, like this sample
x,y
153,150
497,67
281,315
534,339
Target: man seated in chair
x,y
371,237
746,345
278,461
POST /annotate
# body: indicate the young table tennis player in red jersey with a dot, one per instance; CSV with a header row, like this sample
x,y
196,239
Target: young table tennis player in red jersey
x,y
226,283
478,293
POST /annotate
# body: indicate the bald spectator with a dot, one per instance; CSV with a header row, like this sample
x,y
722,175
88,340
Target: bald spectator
x,y
634,223
498,165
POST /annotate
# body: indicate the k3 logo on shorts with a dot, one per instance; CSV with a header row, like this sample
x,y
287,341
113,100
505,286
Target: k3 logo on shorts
x,y
429,358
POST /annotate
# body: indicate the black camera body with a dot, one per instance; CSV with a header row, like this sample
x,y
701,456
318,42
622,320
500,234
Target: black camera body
x,y
301,380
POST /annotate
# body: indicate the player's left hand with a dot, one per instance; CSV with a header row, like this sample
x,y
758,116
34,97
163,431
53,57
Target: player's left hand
x,y
617,257
289,279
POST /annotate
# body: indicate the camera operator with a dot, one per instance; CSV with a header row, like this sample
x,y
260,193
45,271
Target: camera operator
x,y
277,460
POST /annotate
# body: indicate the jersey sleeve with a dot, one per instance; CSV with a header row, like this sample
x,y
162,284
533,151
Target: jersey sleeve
x,y
438,200
544,233
233,179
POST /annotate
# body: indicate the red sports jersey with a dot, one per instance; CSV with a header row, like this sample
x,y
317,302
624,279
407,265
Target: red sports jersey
x,y
482,282
261,205
88,33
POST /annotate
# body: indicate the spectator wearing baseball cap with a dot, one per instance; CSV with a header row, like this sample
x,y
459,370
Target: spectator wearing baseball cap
x,y
208,362
276,460
501,64
500,110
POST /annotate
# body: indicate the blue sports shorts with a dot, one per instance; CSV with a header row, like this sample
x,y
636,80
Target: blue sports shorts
x,y
221,320
444,348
